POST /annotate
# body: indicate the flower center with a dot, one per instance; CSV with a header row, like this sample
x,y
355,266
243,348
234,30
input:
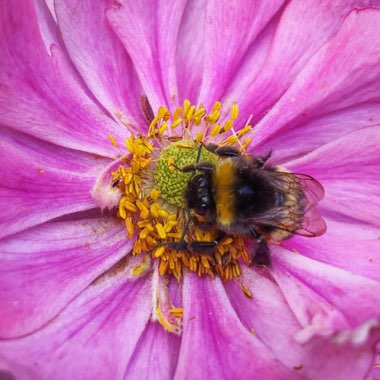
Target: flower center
x,y
170,182
153,187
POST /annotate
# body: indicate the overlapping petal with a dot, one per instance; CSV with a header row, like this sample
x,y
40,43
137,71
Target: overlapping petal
x,y
148,30
100,58
324,298
92,338
274,323
288,52
268,314
348,168
346,355
343,73
157,350
41,181
45,267
211,326
230,28
41,94
347,244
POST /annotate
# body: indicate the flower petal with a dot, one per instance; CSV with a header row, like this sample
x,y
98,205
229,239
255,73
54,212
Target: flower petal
x,y
45,267
100,58
41,94
190,50
304,137
156,354
268,314
346,355
323,297
231,27
149,32
375,371
348,168
349,245
331,79
276,326
93,338
214,342
290,50
41,181
47,24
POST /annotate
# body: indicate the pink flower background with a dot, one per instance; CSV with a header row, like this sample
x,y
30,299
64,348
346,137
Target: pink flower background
x,y
74,71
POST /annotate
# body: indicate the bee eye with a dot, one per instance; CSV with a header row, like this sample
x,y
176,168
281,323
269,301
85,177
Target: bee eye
x,y
201,209
246,192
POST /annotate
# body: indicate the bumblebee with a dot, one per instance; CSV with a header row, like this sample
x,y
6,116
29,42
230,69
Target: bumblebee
x,y
241,194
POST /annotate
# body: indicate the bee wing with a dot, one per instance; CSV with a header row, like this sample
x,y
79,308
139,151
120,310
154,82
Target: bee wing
x,y
313,224
283,218
312,188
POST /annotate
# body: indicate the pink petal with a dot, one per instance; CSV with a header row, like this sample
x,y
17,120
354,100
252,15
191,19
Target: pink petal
x,y
349,245
41,181
93,338
45,267
269,314
41,94
323,297
276,326
375,370
346,355
230,29
99,57
302,29
47,24
215,344
156,355
331,79
149,32
190,50
348,168
309,135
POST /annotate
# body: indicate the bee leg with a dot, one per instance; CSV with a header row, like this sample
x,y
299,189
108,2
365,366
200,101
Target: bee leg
x,y
116,182
223,151
206,247
206,226
260,161
261,254
203,166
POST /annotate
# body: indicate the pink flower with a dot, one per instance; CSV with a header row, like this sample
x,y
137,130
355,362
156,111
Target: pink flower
x,y
73,303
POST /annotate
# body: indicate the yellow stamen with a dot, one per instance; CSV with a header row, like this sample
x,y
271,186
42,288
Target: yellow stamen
x,y
231,140
161,231
163,128
177,113
216,130
217,106
228,125
246,291
129,142
113,141
154,194
159,251
177,312
176,123
244,130
234,111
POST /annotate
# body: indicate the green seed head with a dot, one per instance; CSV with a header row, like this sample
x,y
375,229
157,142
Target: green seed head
x,y
169,181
